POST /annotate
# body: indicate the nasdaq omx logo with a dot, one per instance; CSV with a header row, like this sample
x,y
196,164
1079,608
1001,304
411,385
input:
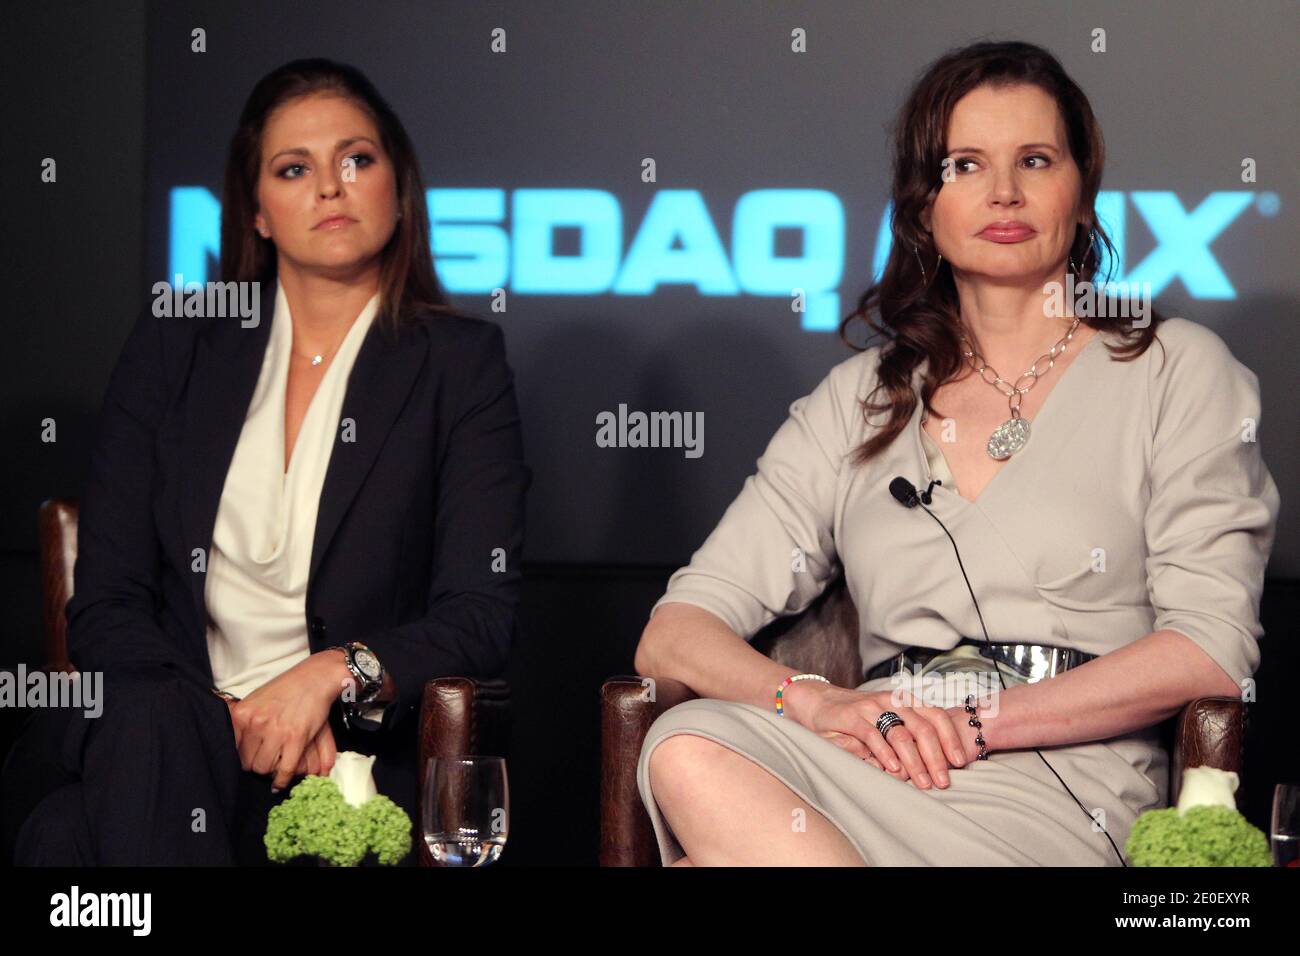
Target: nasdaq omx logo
x,y
479,245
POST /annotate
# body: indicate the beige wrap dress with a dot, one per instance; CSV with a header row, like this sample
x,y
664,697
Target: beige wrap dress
x,y
1151,469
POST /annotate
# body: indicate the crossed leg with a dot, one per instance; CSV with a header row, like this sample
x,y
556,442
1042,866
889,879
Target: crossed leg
x,y
726,810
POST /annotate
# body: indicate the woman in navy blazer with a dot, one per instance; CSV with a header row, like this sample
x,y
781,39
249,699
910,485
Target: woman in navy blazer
x,y
419,528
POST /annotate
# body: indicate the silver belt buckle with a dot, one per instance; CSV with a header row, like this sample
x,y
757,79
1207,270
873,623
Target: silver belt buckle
x,y
1033,662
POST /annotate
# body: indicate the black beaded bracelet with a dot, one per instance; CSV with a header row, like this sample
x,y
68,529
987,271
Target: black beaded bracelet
x,y
975,722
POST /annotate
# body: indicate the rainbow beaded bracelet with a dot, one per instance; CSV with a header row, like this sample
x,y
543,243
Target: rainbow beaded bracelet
x,y
780,691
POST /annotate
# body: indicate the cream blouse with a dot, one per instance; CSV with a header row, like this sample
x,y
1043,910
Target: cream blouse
x,y
266,522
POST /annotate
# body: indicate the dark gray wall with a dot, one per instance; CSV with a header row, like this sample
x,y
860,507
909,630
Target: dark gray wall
x,y
73,260
712,92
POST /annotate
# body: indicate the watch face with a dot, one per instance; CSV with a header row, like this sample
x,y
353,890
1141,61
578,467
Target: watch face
x,y
368,664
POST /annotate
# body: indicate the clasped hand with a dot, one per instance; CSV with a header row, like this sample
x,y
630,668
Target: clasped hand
x,y
282,727
930,740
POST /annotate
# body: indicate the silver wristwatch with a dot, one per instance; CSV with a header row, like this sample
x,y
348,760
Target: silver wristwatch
x,y
366,669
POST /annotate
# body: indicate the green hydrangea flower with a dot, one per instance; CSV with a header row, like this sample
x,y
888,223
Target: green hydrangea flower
x,y
316,821
387,829
1204,836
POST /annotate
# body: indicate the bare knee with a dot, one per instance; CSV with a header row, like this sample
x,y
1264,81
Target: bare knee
x,y
686,764
682,757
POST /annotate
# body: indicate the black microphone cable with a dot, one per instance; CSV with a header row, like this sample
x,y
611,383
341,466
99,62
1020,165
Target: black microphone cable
x,y
905,493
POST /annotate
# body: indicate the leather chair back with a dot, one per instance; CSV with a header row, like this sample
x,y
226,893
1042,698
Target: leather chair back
x,y
823,639
57,529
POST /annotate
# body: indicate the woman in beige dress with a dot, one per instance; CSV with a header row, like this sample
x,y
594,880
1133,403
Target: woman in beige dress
x,y
1130,532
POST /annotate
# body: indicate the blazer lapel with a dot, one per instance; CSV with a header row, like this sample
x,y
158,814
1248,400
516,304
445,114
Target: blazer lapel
x,y
382,376
226,364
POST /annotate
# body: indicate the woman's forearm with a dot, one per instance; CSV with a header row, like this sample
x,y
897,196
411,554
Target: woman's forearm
x,y
696,647
1136,686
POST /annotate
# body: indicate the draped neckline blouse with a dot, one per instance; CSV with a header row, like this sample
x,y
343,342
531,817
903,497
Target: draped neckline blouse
x,y
256,583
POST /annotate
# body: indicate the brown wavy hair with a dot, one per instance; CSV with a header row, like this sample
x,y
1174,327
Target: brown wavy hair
x,y
408,284
921,319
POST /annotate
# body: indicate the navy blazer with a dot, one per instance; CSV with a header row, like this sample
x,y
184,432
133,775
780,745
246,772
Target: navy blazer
x,y
412,512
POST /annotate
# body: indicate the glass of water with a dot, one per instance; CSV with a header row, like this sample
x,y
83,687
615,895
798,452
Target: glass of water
x,y
465,809
1286,824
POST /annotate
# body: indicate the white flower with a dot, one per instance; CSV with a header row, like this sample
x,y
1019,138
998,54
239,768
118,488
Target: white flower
x,y
351,771
1207,786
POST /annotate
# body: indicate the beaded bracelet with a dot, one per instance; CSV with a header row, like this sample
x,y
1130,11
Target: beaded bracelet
x,y
975,722
780,691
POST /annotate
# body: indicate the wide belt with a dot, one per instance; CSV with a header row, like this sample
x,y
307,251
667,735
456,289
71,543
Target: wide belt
x,y
1033,662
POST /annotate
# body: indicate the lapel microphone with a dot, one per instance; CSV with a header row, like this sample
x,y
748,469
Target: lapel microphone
x,y
905,493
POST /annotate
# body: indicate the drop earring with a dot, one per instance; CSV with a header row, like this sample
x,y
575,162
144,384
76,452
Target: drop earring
x,y
1091,243
925,278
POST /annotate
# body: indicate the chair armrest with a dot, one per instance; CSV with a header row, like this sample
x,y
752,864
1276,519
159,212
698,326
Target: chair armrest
x,y
1211,732
626,713
57,537
460,716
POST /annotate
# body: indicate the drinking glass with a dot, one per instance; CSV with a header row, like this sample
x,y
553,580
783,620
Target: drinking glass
x,y
465,809
1286,824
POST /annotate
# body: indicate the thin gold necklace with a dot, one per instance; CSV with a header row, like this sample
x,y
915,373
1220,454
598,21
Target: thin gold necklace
x,y
320,357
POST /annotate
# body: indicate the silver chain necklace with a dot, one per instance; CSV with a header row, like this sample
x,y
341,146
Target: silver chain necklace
x,y
1011,436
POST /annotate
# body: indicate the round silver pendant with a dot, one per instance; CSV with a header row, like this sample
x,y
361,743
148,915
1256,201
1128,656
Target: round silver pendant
x,y
316,359
1008,438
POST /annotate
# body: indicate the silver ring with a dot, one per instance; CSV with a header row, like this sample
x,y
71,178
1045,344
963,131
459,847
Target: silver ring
x,y
887,722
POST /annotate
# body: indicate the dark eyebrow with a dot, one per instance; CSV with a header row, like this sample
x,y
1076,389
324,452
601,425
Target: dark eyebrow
x,y
974,149
341,144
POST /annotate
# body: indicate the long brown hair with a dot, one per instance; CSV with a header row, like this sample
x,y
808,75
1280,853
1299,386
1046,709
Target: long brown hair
x,y
920,318
407,284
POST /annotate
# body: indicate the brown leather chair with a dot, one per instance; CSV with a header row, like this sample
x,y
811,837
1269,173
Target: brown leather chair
x,y
458,715
824,640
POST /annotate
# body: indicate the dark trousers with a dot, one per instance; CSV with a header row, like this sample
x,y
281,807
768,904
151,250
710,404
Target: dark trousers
x,y
155,779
